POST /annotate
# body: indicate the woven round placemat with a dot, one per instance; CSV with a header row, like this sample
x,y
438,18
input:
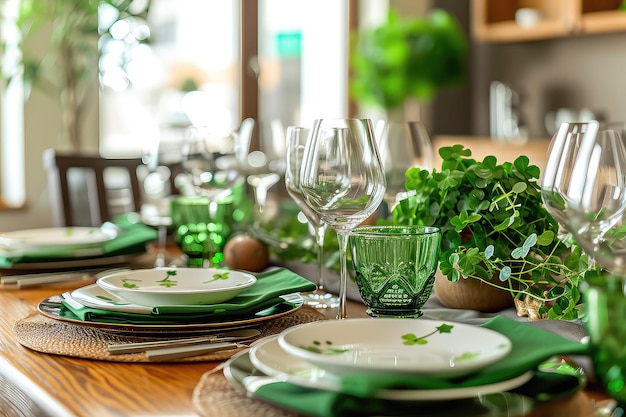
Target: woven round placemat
x,y
214,396
47,335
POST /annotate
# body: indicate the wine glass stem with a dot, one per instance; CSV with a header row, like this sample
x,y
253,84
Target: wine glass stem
x,y
342,237
161,243
260,196
319,237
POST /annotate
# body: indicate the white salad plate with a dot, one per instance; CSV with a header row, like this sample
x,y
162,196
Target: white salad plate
x,y
424,347
55,237
176,286
268,357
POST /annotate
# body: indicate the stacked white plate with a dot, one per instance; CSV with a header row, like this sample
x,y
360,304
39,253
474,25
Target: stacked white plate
x,y
317,355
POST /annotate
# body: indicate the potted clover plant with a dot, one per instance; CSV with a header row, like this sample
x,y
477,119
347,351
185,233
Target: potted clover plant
x,y
496,235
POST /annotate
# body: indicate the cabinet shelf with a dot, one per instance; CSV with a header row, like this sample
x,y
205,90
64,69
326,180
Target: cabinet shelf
x,y
494,20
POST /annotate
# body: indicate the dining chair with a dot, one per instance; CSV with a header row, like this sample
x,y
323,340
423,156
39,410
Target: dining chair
x,y
87,189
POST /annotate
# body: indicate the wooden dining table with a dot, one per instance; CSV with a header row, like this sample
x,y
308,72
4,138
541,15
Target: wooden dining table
x,y
47,385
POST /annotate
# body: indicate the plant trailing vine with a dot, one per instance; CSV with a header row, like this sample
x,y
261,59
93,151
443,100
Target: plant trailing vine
x,y
496,230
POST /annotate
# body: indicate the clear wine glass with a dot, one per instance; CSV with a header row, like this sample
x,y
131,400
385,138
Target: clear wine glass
x,y
343,180
209,160
265,164
402,145
155,210
584,183
296,140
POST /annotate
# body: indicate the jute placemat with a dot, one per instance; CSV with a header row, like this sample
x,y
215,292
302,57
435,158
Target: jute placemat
x,y
214,396
47,335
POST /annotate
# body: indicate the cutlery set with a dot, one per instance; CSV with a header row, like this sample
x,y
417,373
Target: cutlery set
x,y
178,348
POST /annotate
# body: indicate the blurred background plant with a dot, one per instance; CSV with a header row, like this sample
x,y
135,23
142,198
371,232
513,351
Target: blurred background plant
x,y
405,58
68,70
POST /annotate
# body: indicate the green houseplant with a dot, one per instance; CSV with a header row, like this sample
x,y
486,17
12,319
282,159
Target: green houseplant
x,y
496,231
404,58
68,69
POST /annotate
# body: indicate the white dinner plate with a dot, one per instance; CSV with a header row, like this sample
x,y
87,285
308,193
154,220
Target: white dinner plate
x,y
176,286
268,357
55,237
425,347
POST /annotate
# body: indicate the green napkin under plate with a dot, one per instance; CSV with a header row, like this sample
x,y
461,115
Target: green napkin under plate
x,y
132,238
531,346
265,293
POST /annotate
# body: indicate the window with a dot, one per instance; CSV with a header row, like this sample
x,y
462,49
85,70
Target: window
x,y
12,172
193,70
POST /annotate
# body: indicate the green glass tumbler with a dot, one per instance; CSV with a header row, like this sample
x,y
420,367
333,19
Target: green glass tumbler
x,y
395,267
605,305
201,228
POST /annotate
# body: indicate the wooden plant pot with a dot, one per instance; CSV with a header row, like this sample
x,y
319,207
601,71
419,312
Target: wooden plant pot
x,y
471,294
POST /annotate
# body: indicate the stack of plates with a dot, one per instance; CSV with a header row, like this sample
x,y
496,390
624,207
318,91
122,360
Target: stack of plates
x,y
317,355
55,248
386,366
178,299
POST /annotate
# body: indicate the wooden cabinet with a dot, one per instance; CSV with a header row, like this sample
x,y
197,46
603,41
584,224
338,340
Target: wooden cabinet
x,y
495,20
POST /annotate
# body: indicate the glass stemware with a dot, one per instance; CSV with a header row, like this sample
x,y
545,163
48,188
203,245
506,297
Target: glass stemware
x,y
584,183
202,218
343,180
209,160
155,211
402,145
264,165
296,140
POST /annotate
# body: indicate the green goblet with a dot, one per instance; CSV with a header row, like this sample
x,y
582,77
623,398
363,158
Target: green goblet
x,y
201,228
395,267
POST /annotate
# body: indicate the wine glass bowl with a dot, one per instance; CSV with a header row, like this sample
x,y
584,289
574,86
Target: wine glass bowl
x,y
210,162
343,180
402,145
584,183
264,165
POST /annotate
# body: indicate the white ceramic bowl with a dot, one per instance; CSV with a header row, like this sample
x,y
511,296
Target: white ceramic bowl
x,y
176,286
425,347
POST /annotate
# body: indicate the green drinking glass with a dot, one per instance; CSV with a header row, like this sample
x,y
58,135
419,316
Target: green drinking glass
x,y
201,228
395,267
605,304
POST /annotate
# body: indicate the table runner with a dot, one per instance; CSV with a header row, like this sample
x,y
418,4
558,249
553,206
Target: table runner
x,y
46,335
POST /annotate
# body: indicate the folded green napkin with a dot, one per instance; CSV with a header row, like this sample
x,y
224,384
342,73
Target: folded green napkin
x,y
531,347
265,293
131,239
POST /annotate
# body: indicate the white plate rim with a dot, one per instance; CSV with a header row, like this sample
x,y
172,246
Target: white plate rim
x,y
26,239
106,284
331,383
339,363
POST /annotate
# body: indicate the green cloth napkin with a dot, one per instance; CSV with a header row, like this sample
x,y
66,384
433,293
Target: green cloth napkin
x,y
530,347
132,239
263,294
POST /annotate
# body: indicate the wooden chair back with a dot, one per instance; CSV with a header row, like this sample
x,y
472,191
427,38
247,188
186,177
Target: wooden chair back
x,y
79,184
